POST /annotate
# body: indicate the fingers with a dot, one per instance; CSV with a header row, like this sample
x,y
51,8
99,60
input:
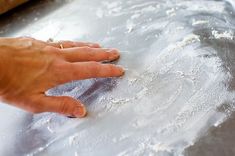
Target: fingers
x,y
63,105
60,44
89,54
71,44
79,51
86,70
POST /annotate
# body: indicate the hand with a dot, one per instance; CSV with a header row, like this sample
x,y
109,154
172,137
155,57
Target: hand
x,y
29,67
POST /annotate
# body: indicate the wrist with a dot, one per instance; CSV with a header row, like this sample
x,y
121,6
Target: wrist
x,y
2,72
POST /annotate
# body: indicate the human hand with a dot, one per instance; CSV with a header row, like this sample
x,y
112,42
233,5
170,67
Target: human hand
x,y
29,67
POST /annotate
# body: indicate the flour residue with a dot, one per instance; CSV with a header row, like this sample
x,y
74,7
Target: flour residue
x,y
223,35
199,22
176,78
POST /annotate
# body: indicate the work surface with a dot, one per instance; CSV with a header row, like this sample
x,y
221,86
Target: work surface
x,y
176,98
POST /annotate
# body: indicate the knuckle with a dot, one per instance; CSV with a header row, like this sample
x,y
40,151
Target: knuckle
x,y
29,40
26,38
96,45
64,43
63,106
69,43
95,66
36,110
86,49
26,42
36,106
91,54
51,50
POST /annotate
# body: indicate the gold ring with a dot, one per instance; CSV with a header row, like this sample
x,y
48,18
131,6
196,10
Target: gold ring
x,y
61,46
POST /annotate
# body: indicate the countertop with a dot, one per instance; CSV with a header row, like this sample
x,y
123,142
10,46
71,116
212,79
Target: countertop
x,y
176,98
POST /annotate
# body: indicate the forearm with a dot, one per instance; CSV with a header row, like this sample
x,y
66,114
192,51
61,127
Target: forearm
x,y
6,5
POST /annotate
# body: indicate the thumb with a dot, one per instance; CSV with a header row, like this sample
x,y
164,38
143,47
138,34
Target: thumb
x,y
64,105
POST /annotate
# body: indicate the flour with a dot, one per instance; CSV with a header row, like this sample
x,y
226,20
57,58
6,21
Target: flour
x,y
168,97
199,22
223,35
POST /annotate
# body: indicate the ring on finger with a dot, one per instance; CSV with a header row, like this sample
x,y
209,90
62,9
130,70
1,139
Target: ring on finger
x,y
61,45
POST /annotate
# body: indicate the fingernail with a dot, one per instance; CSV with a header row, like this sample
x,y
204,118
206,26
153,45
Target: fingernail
x,y
122,71
114,54
96,45
80,111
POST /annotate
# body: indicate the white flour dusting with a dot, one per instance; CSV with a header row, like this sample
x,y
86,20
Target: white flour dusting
x,y
174,84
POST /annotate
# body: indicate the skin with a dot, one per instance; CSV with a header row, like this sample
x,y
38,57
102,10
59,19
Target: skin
x,y
6,5
29,67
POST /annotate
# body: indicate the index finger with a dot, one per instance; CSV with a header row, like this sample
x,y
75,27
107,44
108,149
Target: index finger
x,y
87,70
